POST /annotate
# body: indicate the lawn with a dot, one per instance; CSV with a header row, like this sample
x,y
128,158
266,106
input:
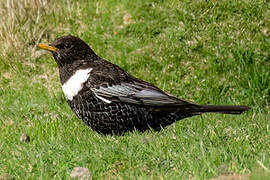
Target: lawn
x,y
209,52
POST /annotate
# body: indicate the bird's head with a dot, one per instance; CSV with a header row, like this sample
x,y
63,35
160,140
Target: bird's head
x,y
68,49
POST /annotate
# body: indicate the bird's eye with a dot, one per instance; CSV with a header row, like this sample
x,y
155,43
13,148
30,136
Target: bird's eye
x,y
67,46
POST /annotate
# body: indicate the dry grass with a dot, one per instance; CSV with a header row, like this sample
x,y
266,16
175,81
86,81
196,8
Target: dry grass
x,y
19,24
24,23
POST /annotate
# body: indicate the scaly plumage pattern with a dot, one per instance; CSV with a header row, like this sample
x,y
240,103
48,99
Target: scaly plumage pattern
x,y
109,100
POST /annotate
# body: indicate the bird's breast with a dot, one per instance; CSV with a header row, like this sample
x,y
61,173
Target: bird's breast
x,y
75,83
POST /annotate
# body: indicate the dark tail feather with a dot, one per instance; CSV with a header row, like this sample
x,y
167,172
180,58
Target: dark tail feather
x,y
221,109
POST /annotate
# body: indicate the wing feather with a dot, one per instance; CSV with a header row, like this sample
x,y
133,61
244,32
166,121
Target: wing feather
x,y
131,93
111,84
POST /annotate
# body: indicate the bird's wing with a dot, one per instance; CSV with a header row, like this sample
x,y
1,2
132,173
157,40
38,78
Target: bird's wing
x,y
130,93
129,90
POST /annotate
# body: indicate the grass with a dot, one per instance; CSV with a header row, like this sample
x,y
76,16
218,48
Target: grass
x,y
213,52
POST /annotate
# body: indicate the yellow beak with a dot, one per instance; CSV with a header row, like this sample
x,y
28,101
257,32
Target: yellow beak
x,y
47,47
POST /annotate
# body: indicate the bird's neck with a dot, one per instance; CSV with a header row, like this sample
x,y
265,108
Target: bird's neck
x,y
68,69
65,72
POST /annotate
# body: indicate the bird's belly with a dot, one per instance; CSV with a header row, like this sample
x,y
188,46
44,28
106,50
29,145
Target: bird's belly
x,y
109,118
118,118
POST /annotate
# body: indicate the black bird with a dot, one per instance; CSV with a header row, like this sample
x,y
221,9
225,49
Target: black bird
x,y
110,100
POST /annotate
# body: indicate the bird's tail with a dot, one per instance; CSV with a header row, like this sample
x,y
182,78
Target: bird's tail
x,y
224,109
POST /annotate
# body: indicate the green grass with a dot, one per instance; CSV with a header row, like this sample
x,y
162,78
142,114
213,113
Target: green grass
x,y
210,52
